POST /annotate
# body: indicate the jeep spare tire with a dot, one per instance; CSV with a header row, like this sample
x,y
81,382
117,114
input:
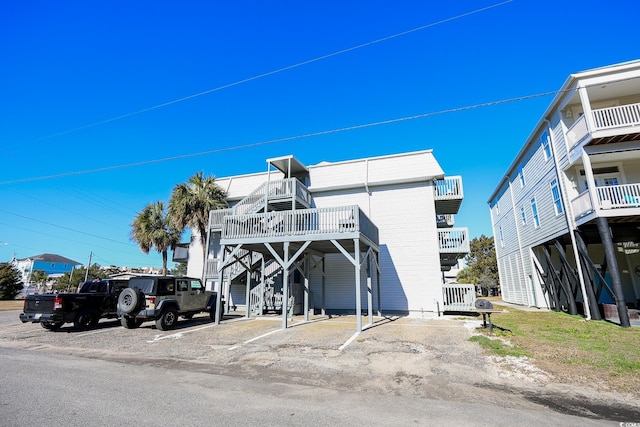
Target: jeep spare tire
x,y
129,300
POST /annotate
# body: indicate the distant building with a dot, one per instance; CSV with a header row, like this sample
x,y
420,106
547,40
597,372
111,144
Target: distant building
x,y
53,265
566,215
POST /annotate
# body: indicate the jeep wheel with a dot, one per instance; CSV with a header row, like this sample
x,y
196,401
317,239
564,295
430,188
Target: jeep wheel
x,y
86,319
128,300
130,322
52,326
167,319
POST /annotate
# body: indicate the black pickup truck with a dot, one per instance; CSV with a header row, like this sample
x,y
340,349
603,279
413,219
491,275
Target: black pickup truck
x,y
96,299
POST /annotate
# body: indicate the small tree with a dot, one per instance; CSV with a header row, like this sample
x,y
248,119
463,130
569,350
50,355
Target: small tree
x,y
10,284
40,278
71,281
191,202
482,267
152,228
180,269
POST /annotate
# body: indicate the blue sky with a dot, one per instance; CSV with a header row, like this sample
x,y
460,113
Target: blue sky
x,y
73,72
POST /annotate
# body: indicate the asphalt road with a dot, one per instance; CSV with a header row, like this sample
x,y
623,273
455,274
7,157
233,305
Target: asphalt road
x,y
71,391
250,372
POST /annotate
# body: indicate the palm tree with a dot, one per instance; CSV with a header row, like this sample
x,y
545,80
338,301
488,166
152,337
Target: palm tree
x,y
152,228
191,202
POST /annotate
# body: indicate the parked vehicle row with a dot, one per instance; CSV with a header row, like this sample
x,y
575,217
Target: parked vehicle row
x,y
162,299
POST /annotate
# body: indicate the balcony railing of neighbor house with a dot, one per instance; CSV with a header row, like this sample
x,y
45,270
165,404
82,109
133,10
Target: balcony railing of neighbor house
x,y
609,197
621,115
301,222
619,196
448,188
605,118
274,190
582,204
459,297
454,240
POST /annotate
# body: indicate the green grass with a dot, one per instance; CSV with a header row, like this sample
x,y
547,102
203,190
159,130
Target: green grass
x,y
498,347
570,348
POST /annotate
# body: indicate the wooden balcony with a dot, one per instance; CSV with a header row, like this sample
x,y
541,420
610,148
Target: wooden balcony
x,y
282,194
610,125
453,242
345,222
448,194
612,201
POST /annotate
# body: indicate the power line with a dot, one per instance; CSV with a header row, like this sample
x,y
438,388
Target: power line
x,y
279,70
285,139
296,137
66,228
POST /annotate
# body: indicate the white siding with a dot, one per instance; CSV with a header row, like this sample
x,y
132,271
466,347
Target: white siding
x,y
410,167
409,256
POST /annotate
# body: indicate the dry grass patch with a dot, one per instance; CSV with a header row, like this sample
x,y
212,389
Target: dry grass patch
x,y
11,305
574,350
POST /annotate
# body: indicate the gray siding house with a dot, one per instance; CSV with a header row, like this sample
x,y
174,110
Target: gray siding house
x,y
566,217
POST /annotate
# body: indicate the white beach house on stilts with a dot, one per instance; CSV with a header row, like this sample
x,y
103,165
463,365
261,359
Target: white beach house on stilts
x,y
366,235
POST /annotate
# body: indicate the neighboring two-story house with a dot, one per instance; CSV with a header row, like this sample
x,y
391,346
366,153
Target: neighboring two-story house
x,y
360,236
53,265
566,216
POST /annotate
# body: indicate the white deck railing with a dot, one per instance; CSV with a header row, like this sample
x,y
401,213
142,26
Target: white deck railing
x,y
609,197
604,118
216,218
448,188
459,297
619,116
454,240
283,189
344,219
619,196
582,204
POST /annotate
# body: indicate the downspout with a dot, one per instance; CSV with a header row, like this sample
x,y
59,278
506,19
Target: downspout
x,y
366,185
571,222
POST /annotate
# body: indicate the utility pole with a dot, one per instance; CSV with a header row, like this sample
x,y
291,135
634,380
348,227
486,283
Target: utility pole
x,y
86,273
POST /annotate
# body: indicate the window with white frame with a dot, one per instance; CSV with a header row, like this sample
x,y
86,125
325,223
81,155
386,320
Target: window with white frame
x,y
523,215
555,194
534,212
501,237
546,145
521,174
497,208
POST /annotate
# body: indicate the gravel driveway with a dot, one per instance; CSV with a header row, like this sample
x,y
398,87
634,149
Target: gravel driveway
x,y
423,358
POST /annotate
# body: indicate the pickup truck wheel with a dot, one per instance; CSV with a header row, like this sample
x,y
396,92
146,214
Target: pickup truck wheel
x,y
130,322
128,300
86,319
52,326
167,319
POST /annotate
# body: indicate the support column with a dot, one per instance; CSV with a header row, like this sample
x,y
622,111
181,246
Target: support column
x,y
378,285
324,301
369,290
610,254
248,290
590,289
306,288
262,283
285,285
220,285
356,244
